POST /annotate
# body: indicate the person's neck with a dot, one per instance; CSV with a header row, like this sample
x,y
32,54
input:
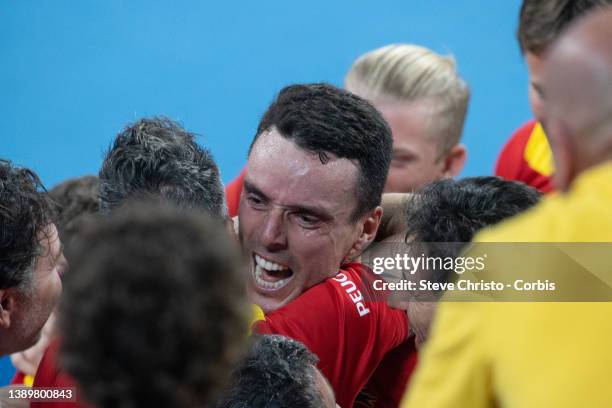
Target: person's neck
x,y
597,158
585,166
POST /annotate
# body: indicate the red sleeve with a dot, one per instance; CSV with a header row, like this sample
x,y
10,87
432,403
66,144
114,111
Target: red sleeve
x,y
232,194
349,333
510,163
50,375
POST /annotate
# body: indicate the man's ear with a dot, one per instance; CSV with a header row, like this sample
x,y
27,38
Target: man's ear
x,y
231,225
368,227
564,150
564,154
454,161
7,306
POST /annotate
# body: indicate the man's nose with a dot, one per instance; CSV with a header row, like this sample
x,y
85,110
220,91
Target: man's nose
x,y
273,235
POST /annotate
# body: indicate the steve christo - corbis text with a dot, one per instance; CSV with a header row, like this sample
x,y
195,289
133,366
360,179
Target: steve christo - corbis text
x,y
464,285
411,265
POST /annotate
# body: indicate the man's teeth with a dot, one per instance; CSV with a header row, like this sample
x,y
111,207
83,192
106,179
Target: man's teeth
x,y
268,285
271,266
260,265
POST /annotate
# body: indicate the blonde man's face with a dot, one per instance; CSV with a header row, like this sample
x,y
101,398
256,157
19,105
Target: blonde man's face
x,y
416,154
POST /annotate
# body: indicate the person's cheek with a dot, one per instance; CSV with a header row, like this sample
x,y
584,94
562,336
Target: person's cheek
x,y
536,104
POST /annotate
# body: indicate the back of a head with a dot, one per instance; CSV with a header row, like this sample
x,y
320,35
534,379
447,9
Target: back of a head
x,y
156,313
25,212
579,91
541,22
445,215
326,120
452,211
73,201
277,372
157,159
406,73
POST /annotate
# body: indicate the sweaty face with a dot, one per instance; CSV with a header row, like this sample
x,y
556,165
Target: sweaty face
x,y
36,302
295,219
416,157
535,67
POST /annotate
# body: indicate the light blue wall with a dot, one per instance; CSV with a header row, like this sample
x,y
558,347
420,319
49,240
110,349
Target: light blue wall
x,y
73,73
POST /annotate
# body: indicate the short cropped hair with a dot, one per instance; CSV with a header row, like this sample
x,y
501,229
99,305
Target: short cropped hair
x,y
73,201
409,73
157,159
276,372
326,120
156,313
542,21
450,212
25,213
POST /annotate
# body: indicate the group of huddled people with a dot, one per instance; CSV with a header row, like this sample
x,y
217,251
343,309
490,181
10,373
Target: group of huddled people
x,y
178,292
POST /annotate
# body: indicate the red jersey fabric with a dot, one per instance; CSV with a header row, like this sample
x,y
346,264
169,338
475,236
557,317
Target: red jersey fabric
x,y
387,386
50,375
232,194
18,378
346,324
513,162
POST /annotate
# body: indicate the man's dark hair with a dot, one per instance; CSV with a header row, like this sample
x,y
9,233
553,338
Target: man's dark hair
x,y
326,120
74,200
277,372
454,210
157,159
25,212
156,313
446,214
542,21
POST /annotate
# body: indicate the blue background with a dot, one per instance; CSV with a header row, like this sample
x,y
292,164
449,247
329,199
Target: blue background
x,y
73,73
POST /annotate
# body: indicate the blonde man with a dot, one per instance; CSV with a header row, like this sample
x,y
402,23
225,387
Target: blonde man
x,y
424,100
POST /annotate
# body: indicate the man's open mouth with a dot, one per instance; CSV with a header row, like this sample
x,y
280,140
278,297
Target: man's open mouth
x,y
270,275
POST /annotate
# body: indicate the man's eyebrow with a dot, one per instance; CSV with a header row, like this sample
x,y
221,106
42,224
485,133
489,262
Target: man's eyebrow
x,y
403,150
305,209
250,188
316,211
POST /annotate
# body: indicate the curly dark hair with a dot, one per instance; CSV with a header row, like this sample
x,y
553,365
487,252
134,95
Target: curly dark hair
x,y
445,215
25,212
324,120
277,372
156,313
156,158
542,21
73,200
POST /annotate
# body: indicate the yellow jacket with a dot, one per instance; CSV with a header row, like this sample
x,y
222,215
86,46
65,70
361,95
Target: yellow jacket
x,y
527,354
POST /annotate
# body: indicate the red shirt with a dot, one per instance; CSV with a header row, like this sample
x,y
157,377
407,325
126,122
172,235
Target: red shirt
x,y
18,378
50,375
527,157
387,386
232,194
346,324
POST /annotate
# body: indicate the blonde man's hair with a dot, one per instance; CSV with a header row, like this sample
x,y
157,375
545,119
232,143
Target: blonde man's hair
x,y
407,73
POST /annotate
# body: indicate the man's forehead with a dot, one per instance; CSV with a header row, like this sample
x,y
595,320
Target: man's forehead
x,y
271,147
279,168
